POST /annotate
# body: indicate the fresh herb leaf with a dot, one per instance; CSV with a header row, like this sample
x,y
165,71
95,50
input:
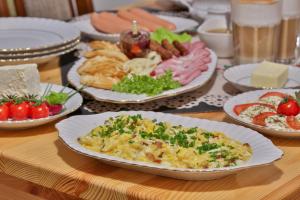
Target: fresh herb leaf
x,y
55,98
143,84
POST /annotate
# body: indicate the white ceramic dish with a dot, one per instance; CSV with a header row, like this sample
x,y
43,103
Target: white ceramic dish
x,y
19,34
84,25
264,152
221,43
71,105
40,58
240,77
252,97
117,97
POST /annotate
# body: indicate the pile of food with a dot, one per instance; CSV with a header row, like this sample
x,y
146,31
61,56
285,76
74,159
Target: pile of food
x,y
274,110
133,137
21,98
144,63
108,22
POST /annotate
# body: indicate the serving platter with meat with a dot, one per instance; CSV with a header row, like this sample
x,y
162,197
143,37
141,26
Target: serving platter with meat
x,y
109,25
163,65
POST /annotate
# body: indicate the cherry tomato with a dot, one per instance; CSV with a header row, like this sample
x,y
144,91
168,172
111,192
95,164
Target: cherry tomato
x,y
293,122
240,108
272,94
19,111
39,111
288,107
260,119
4,112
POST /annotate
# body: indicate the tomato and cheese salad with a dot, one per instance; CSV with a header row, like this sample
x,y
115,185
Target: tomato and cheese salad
x,y
133,137
274,110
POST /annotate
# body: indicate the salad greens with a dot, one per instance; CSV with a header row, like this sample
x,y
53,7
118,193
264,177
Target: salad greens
x,y
163,33
143,84
54,98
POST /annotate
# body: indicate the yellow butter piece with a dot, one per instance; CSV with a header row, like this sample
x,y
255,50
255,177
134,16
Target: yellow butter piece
x,y
269,75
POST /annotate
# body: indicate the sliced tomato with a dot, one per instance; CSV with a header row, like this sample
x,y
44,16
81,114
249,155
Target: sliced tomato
x,y
293,122
240,108
272,94
260,119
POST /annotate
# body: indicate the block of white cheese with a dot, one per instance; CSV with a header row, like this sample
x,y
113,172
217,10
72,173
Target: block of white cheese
x,y
19,80
269,75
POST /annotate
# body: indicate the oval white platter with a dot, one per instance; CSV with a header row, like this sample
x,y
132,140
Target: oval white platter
x,y
70,106
253,96
83,23
264,151
240,77
19,34
117,97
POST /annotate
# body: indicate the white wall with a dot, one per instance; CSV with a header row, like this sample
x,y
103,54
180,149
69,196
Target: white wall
x,y
111,4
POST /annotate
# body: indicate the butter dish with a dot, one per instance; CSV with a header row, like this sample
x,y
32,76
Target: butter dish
x,y
240,77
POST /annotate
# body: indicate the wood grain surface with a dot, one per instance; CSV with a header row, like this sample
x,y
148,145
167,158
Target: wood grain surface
x,y
38,163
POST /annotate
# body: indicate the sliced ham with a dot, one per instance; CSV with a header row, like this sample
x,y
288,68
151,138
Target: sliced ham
x,y
186,68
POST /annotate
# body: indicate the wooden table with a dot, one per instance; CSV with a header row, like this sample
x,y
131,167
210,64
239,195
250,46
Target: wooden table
x,y
35,164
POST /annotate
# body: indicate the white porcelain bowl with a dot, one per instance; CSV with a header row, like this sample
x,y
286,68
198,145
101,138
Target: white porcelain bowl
x,y
221,43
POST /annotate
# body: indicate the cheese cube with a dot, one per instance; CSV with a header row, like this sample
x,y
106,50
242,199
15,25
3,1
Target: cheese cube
x,y
269,75
19,80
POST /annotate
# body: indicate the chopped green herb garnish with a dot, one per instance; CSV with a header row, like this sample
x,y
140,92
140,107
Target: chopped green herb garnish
x,y
146,85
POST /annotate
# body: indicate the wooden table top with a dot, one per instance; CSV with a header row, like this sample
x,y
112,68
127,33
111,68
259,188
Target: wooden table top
x,y
38,156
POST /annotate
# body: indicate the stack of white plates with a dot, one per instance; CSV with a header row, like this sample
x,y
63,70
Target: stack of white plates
x,y
35,40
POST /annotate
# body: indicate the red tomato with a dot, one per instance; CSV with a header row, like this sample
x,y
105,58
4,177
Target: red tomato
x,y
240,108
19,111
293,122
135,49
260,119
4,112
39,111
288,107
271,94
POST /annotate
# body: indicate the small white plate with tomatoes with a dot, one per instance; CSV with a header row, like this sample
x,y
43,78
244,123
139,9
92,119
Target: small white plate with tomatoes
x,y
55,102
272,112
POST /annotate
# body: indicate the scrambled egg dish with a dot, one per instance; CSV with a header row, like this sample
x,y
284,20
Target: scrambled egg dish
x,y
139,139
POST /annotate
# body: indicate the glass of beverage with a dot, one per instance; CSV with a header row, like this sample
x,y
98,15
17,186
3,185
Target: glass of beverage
x,y
256,29
289,30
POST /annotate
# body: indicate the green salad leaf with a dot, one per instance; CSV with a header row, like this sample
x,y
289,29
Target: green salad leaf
x,y
163,33
57,98
143,84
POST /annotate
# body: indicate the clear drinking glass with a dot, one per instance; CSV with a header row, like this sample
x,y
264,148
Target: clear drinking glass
x,y
256,29
289,30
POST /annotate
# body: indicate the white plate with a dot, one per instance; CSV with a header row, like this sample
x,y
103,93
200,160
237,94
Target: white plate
x,y
118,97
240,77
26,33
264,152
38,53
71,105
252,97
38,59
83,23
